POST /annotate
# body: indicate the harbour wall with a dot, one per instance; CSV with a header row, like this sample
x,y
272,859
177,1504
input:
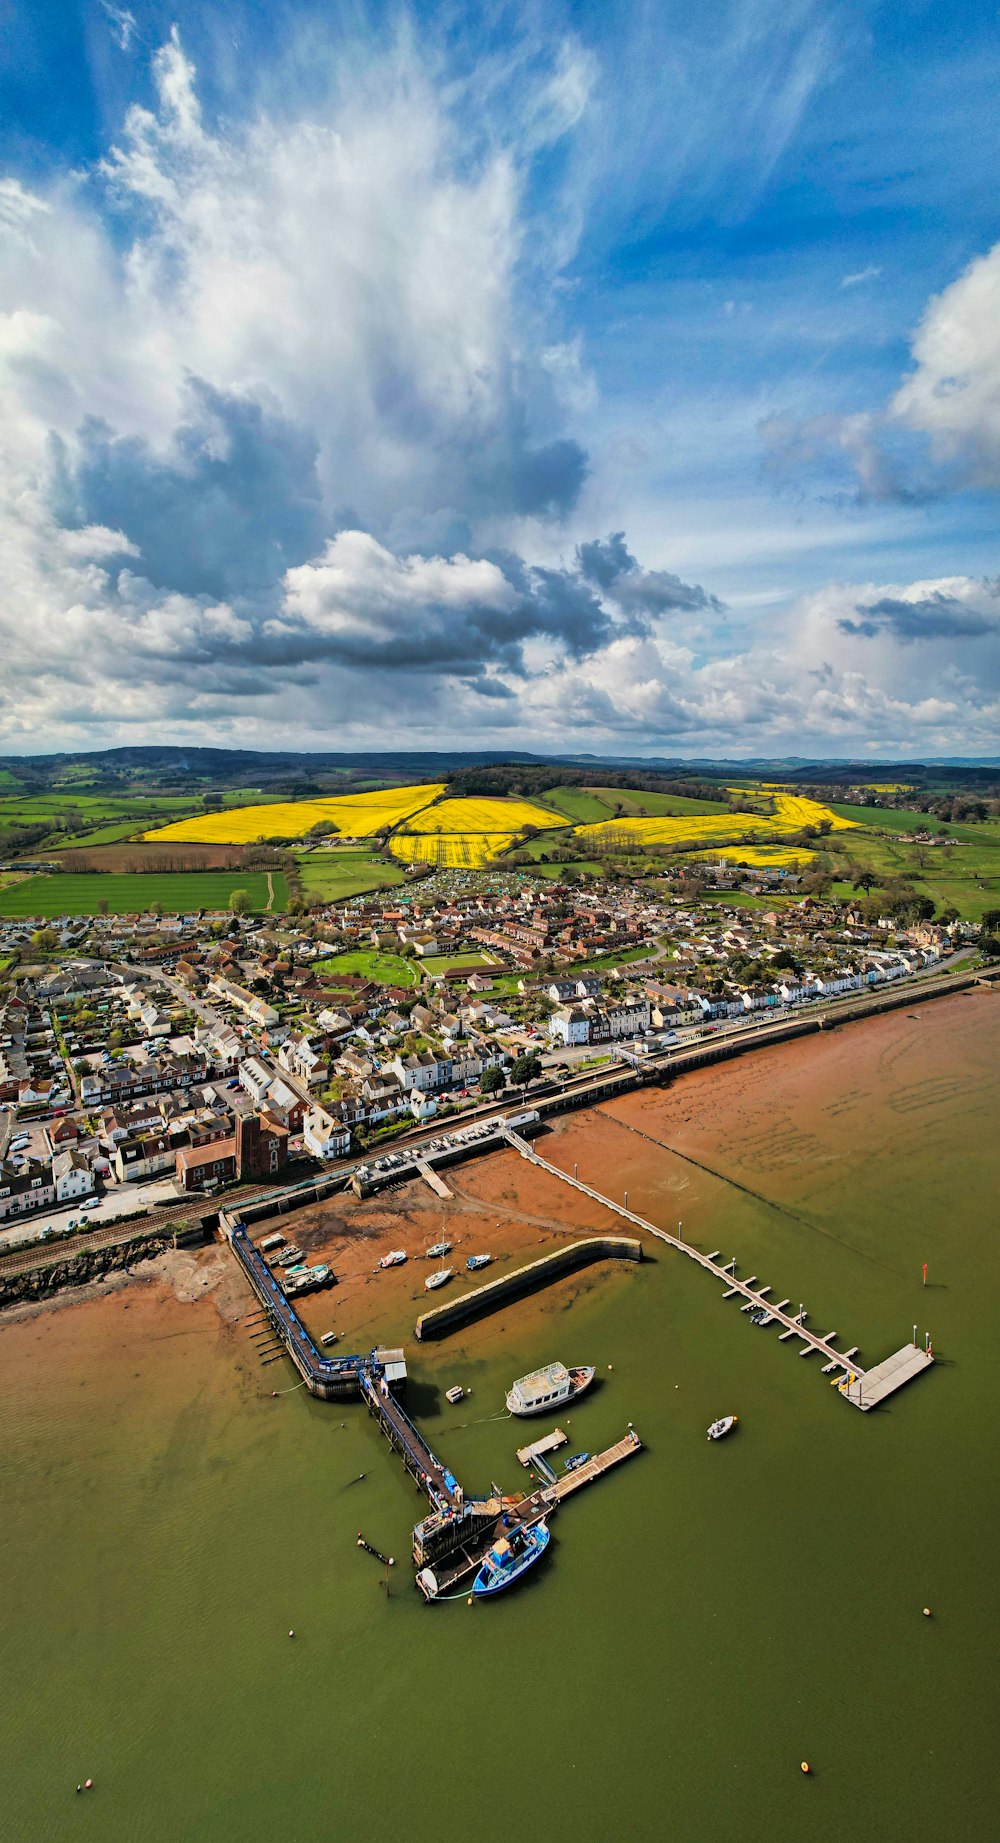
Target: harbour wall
x,y
444,1319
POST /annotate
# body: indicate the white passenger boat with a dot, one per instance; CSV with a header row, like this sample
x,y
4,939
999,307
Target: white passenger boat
x,y
434,1280
547,1389
394,1258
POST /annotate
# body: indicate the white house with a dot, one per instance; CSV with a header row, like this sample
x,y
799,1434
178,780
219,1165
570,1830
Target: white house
x,y
71,1176
324,1136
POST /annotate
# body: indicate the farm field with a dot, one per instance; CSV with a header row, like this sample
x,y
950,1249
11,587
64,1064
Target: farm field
x,y
333,876
354,815
486,815
128,894
467,852
792,812
650,804
778,857
386,968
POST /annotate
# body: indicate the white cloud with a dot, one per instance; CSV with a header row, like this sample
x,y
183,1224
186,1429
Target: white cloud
x,y
953,395
869,274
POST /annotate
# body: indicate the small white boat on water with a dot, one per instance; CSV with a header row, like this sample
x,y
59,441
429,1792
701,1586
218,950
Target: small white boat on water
x,y
455,1394
720,1428
434,1280
394,1258
546,1389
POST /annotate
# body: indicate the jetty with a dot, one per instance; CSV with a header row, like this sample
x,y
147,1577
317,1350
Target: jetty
x,y
458,1529
864,1389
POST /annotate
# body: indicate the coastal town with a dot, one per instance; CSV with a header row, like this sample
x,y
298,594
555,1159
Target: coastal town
x,y
147,1057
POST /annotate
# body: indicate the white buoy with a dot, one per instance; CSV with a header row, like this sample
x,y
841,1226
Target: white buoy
x,y
291,1634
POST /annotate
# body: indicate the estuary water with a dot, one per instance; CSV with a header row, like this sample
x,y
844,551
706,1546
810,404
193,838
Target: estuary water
x,y
707,1617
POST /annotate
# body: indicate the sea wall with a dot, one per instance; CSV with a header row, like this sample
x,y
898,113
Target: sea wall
x,y
495,1293
77,1268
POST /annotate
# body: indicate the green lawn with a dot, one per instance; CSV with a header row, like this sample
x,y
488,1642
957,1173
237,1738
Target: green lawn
x,y
386,968
436,963
131,892
333,876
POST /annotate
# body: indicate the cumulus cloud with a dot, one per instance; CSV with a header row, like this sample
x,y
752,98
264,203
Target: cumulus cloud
x,y
608,563
940,431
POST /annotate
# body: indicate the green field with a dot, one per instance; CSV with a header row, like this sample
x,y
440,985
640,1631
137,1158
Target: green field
x,y
386,968
130,893
333,876
593,805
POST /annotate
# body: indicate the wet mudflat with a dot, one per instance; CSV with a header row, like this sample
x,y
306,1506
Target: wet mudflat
x,y
706,1618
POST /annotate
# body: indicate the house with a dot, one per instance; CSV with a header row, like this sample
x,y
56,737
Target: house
x,y
569,1024
285,1106
256,1078
24,1189
479,982
323,1135
71,1176
299,1057
197,1167
136,1159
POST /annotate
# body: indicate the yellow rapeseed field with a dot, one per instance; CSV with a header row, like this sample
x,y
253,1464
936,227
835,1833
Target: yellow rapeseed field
x,y
781,857
487,815
458,851
354,815
792,813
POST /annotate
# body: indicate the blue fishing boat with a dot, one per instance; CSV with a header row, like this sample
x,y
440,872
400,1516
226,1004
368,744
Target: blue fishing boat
x,y
570,1465
510,1557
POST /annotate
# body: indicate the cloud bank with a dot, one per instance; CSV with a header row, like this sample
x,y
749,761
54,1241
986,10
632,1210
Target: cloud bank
x,y
289,449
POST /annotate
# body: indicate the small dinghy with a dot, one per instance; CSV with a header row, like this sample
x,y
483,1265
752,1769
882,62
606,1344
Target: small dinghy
x,y
455,1394
570,1465
719,1429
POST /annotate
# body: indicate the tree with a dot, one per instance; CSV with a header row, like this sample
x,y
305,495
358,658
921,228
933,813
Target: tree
x,y
239,901
45,939
991,921
492,1080
102,905
989,947
526,1068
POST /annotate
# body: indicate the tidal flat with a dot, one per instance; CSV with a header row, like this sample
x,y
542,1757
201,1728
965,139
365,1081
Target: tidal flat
x,y
706,1618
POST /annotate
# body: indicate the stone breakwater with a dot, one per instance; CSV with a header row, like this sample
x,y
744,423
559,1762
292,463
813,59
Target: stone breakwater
x,y
79,1268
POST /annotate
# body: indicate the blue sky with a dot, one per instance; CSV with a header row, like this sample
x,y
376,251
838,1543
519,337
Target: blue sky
x,y
623,377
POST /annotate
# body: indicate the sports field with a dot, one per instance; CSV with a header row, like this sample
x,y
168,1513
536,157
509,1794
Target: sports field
x,y
179,892
334,876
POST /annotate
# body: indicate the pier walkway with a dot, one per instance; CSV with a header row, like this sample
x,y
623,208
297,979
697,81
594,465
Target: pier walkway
x,y
860,1391
441,1486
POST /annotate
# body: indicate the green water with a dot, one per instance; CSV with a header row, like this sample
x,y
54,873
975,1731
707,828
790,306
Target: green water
x,y
706,1617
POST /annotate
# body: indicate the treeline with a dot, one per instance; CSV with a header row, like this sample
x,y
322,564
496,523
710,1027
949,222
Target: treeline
x,y
528,780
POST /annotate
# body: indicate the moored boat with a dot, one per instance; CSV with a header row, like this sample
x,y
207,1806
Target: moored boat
x,y
394,1258
510,1557
475,1261
720,1428
434,1280
439,1250
548,1388
455,1393
577,1459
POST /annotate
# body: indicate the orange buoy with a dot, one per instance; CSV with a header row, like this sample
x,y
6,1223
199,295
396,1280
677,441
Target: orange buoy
x,y
806,1768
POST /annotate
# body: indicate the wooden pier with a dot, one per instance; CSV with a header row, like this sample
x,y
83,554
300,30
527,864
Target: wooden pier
x,y
431,1178
867,1389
